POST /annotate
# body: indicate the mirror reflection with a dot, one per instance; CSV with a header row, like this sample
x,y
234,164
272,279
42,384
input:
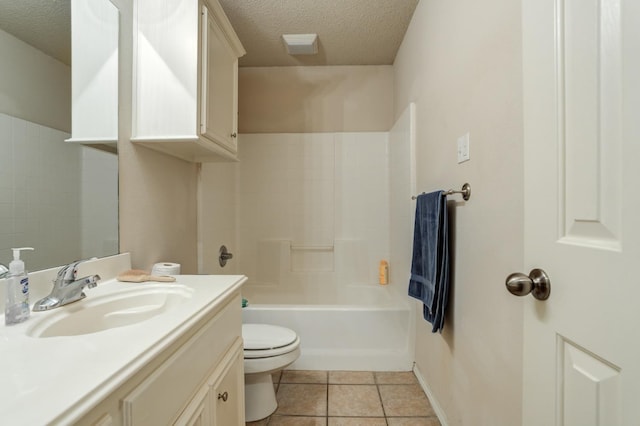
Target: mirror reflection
x,y
55,196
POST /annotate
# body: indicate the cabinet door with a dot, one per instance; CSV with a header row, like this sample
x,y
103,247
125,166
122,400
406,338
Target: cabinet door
x,y
94,75
228,393
163,394
197,412
219,103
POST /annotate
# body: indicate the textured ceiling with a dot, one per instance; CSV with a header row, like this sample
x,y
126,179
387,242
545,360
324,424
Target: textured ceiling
x,y
350,32
44,24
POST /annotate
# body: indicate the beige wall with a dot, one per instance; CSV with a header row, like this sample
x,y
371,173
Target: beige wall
x,y
157,208
157,192
33,86
218,217
315,99
460,63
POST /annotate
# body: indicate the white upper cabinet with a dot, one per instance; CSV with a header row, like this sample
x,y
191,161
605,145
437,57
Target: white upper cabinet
x,y
185,79
94,72
219,104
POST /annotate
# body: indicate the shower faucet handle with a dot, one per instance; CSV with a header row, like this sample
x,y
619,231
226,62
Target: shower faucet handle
x,y
224,255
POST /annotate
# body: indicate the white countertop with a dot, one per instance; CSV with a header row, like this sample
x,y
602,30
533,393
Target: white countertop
x,y
62,378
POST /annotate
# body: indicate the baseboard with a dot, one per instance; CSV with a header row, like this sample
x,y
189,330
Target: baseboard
x,y
434,402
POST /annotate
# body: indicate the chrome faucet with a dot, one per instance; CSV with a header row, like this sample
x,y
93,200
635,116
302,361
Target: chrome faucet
x,y
4,271
66,288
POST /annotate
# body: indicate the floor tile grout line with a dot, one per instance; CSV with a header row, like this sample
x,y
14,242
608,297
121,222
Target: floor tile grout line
x,y
326,418
382,404
327,384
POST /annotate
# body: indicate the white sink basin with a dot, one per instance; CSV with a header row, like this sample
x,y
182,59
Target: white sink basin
x,y
117,309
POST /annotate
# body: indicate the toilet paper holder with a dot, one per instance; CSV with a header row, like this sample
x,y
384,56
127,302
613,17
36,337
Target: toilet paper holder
x,y
224,255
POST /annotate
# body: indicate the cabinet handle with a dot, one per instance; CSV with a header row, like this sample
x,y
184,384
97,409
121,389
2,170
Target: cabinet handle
x,y
234,135
223,396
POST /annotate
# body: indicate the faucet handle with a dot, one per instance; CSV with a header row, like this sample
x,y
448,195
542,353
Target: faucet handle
x,y
68,273
63,273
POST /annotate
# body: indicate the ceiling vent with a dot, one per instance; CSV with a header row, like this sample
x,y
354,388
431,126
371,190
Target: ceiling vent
x,y
301,44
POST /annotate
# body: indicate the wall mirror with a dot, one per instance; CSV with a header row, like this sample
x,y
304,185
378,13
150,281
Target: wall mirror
x,y
59,197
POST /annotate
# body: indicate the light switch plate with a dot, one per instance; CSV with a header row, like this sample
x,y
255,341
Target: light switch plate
x,y
463,148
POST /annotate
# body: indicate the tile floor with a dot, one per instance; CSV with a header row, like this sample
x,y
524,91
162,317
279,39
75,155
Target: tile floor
x,y
349,398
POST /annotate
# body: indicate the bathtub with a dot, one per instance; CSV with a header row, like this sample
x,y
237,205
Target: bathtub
x,y
361,328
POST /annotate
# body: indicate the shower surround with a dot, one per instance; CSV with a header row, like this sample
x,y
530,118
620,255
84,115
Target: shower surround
x,y
314,223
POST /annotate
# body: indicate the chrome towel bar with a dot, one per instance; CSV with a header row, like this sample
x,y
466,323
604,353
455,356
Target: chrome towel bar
x,y
465,191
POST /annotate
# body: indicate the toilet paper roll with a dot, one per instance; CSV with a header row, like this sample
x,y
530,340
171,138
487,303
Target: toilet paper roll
x,y
166,268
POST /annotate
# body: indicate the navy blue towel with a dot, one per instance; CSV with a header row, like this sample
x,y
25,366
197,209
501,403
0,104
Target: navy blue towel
x,y
430,264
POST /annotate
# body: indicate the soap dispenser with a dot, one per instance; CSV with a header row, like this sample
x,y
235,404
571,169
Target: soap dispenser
x,y
16,307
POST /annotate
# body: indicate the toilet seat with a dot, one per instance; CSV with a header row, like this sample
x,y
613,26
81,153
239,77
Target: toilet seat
x,y
265,341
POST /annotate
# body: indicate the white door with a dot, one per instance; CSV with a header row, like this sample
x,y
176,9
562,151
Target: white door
x,y
582,211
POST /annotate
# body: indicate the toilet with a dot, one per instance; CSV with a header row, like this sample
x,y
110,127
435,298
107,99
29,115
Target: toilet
x,y
267,349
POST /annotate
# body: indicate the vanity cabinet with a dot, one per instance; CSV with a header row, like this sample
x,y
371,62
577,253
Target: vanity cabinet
x,y
227,391
220,402
185,79
199,380
94,75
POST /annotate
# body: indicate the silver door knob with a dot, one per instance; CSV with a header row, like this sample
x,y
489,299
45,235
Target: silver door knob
x,y
537,283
